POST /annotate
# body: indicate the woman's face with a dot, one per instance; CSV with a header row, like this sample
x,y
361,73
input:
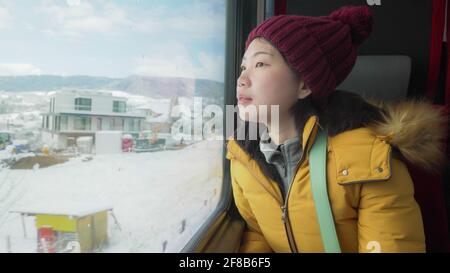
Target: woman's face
x,y
266,79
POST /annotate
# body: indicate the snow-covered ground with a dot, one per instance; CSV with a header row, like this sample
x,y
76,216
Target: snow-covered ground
x,y
152,194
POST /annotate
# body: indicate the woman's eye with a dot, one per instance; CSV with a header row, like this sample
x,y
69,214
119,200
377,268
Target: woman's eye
x,y
258,64
242,68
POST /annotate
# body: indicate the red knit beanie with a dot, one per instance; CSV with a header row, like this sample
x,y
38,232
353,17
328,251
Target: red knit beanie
x,y
321,50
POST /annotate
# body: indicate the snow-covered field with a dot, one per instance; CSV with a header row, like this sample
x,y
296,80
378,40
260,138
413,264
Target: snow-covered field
x,y
151,194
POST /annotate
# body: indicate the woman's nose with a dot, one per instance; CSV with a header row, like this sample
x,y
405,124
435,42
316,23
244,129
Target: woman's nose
x,y
242,81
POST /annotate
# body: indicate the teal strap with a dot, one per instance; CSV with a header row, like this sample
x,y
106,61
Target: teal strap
x,y
318,173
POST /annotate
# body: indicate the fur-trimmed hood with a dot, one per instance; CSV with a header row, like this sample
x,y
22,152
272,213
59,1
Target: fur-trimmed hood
x,y
417,129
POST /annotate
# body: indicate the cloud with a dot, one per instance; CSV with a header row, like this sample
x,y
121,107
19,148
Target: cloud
x,y
5,17
211,67
200,20
110,18
18,69
166,60
174,60
174,39
75,20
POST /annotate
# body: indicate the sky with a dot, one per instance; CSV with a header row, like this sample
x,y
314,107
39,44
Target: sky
x,y
113,38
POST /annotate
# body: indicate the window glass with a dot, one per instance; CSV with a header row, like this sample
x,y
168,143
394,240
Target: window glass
x,y
83,104
82,123
106,105
119,107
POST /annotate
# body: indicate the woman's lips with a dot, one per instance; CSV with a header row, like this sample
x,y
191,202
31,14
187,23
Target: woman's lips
x,y
244,100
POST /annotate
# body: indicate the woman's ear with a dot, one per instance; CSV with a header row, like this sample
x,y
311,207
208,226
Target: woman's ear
x,y
303,91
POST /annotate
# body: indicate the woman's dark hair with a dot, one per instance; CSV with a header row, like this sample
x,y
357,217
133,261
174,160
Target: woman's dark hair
x,y
341,112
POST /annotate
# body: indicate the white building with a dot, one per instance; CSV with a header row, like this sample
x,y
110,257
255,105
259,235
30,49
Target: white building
x,y
157,114
82,113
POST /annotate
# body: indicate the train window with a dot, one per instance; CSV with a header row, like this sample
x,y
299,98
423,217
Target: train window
x,y
104,109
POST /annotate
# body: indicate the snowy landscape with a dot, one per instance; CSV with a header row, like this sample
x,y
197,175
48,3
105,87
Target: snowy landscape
x,y
159,199
151,194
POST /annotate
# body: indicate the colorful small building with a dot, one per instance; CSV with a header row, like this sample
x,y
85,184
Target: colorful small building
x,y
61,230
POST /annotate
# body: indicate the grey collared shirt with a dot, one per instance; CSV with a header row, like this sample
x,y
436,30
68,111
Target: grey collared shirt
x,y
284,156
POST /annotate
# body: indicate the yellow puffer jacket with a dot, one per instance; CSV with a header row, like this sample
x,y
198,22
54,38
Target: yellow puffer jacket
x,y
370,190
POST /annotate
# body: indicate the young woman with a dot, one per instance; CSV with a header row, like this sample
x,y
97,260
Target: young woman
x,y
296,62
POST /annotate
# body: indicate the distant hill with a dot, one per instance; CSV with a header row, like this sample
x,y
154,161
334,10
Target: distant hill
x,y
157,87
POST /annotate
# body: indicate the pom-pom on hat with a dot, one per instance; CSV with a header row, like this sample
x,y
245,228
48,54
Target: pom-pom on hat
x,y
321,50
